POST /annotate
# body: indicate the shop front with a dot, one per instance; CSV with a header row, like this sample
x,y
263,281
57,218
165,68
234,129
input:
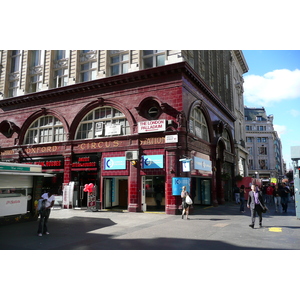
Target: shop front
x,y
53,165
114,182
84,170
20,189
201,180
153,182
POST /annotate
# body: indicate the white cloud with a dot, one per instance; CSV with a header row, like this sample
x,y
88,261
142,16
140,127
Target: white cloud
x,y
295,113
272,88
281,129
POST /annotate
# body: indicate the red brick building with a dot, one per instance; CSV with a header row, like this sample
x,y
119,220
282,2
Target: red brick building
x,y
127,134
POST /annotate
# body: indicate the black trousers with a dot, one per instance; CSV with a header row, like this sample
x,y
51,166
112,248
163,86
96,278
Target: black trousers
x,y
44,216
257,209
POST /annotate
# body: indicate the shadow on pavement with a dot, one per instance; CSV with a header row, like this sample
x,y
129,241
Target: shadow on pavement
x,y
76,233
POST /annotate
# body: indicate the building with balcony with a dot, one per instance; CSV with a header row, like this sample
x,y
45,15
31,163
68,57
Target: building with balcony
x,y
264,146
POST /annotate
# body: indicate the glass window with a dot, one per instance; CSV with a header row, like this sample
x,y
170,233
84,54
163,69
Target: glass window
x,y
88,71
15,61
88,65
119,61
61,54
35,83
60,74
198,125
154,58
226,138
14,73
60,77
262,150
36,58
250,166
263,164
103,122
46,129
13,88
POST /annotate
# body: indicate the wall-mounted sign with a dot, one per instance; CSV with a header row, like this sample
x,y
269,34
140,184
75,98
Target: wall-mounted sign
x,y
153,161
178,183
85,162
151,126
112,129
202,164
98,128
172,138
186,165
114,163
53,162
14,168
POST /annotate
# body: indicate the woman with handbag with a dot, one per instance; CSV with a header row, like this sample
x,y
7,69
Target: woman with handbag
x,y
186,202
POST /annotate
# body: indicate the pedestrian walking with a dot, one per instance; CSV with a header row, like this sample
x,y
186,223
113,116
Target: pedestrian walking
x,y
45,213
158,199
269,194
277,198
256,204
236,191
242,198
285,191
185,206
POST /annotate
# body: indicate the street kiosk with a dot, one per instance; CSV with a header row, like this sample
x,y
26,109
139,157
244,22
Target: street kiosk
x,y
20,189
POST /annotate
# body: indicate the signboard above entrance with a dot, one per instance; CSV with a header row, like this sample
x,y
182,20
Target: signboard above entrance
x,y
151,126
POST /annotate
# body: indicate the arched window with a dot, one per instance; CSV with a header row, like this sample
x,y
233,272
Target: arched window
x,y
103,122
226,139
198,125
46,129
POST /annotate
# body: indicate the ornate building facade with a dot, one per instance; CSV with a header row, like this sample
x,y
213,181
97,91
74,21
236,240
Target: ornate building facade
x,y
134,123
264,146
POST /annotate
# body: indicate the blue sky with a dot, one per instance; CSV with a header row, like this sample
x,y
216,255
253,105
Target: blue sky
x,y
273,82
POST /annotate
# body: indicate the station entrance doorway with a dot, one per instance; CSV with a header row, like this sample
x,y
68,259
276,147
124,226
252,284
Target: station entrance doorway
x,y
81,178
115,193
153,193
201,190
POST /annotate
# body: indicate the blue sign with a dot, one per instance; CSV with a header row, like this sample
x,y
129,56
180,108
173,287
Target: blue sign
x,y
178,183
186,165
202,164
153,161
115,163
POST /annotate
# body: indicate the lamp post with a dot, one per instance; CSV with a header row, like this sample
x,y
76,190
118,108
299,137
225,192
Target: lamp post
x,y
256,177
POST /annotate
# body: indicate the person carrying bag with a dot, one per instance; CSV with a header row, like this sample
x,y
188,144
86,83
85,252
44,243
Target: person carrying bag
x,y
186,202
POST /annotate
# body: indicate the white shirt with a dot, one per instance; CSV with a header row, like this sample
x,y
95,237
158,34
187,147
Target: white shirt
x,y
49,199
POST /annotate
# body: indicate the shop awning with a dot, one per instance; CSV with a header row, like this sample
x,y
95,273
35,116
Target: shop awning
x,y
27,174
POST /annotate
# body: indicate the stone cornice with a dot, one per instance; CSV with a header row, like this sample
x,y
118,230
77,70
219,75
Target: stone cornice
x,y
242,61
138,77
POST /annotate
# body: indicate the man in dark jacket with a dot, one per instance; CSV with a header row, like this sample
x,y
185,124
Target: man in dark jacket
x,y
256,204
285,191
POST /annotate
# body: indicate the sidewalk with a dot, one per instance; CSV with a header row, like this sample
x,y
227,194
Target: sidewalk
x,y
209,228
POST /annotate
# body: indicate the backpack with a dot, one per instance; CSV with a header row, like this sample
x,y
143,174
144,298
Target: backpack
x,y
41,205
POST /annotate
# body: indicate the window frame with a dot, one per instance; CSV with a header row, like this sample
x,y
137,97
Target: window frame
x,y
88,57
60,64
120,63
40,126
14,75
93,124
153,57
201,131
